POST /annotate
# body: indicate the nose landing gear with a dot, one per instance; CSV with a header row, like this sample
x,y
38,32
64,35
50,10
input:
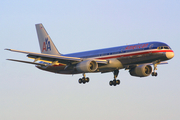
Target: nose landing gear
x,y
154,73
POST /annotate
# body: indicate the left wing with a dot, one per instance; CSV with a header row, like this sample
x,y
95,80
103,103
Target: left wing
x,y
53,58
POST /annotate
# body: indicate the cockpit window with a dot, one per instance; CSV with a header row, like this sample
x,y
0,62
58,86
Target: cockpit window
x,y
166,47
163,47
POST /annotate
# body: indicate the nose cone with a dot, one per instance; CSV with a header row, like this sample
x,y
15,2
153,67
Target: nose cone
x,y
169,55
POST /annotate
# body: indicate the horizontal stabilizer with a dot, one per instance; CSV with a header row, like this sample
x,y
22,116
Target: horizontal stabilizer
x,y
27,62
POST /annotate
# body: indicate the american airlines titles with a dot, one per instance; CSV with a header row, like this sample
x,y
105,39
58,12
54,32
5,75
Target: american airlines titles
x,y
132,47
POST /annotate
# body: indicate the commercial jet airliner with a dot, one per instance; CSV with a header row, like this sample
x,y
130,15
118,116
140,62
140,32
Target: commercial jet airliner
x,y
137,58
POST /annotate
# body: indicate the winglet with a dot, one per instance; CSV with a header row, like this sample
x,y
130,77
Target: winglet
x,y
7,49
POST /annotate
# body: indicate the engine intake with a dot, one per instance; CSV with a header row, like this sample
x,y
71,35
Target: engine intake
x,y
141,71
87,66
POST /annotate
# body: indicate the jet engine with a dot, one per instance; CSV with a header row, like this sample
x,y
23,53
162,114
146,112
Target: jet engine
x,y
87,66
141,71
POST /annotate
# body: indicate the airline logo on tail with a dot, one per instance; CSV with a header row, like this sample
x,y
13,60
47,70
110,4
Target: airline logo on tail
x,y
46,45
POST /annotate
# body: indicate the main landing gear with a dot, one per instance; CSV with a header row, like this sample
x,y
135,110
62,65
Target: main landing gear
x,y
154,73
115,82
84,79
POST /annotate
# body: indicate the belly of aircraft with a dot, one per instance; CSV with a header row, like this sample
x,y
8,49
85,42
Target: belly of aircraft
x,y
118,63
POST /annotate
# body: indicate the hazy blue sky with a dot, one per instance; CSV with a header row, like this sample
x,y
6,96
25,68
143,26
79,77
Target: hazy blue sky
x,y
27,93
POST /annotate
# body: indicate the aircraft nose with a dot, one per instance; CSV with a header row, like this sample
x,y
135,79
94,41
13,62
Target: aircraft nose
x,y
169,55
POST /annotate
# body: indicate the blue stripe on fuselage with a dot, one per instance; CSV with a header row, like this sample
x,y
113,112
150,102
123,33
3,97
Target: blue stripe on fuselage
x,y
117,50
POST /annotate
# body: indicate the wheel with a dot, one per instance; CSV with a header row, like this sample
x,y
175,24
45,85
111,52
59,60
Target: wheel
x,y
156,74
83,80
152,74
114,82
117,82
87,79
80,80
110,83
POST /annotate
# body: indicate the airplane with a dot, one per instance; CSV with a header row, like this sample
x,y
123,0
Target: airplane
x,y
137,58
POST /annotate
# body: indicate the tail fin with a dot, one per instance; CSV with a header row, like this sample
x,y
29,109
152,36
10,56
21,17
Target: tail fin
x,y
45,42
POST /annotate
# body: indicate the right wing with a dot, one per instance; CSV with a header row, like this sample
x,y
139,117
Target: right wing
x,y
27,62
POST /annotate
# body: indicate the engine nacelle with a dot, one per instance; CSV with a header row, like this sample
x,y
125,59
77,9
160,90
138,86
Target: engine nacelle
x,y
87,66
141,71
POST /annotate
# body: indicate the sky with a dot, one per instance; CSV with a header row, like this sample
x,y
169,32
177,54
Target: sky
x,y
77,25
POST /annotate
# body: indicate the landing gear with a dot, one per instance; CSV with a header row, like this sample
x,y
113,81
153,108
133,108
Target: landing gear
x,y
154,73
84,79
115,82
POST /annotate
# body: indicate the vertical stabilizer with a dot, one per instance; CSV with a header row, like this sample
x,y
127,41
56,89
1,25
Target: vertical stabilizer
x,y
45,42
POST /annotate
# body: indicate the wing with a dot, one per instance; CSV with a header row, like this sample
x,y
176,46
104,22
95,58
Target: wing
x,y
52,58
130,66
27,62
